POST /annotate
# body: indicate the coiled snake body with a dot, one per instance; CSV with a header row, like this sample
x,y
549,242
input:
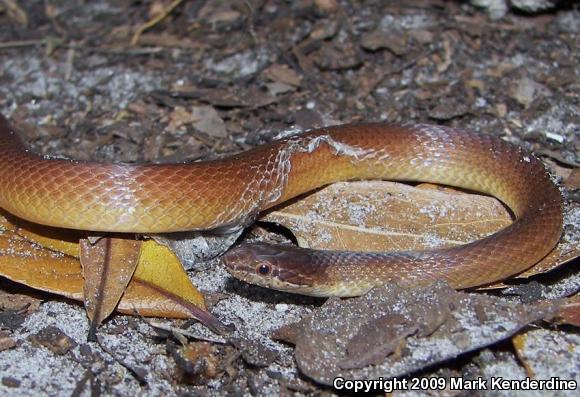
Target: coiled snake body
x,y
205,195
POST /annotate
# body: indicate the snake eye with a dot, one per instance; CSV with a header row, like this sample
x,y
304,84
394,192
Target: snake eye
x,y
264,269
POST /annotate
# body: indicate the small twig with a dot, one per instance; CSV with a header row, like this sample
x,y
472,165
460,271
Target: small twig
x,y
21,43
126,51
92,334
176,331
251,21
70,56
154,21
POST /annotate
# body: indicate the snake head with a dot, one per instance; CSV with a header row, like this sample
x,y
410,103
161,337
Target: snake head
x,y
282,267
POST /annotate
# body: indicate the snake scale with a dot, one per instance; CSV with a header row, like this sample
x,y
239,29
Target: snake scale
x,y
164,198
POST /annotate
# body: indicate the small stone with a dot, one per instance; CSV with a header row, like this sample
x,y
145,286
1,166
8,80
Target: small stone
x,y
54,339
279,88
496,9
526,90
501,109
555,137
569,22
448,109
208,120
396,43
9,381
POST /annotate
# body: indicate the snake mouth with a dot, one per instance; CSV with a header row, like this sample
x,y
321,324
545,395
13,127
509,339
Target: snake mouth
x,y
237,259
240,263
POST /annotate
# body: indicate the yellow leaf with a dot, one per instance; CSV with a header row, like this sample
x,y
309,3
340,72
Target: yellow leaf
x,y
61,240
25,262
159,287
161,276
159,267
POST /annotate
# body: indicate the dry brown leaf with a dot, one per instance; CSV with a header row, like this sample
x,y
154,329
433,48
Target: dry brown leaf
x,y
159,287
384,216
283,74
352,339
390,216
569,311
573,179
107,266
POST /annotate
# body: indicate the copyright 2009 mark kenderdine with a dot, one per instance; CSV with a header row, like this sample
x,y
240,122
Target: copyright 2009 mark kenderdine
x,y
454,383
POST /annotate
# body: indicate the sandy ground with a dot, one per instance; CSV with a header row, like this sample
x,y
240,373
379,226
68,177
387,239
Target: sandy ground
x,y
249,71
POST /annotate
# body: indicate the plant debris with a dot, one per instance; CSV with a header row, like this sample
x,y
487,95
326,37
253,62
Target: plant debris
x,y
409,331
172,81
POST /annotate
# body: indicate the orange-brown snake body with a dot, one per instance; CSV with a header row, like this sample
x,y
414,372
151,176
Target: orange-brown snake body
x,y
205,195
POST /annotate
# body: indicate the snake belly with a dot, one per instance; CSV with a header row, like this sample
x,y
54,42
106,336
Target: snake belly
x,y
162,198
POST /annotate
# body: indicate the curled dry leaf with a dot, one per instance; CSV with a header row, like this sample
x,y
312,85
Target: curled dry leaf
x,y
430,325
107,265
391,216
159,287
383,216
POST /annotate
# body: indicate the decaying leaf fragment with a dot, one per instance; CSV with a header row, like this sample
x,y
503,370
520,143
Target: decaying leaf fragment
x,y
432,325
377,339
390,216
383,216
569,311
107,266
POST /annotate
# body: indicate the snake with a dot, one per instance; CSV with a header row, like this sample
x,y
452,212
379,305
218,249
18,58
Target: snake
x,y
230,192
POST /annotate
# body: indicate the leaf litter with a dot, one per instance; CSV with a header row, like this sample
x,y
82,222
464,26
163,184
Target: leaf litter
x,y
418,328
154,282
388,337
390,216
